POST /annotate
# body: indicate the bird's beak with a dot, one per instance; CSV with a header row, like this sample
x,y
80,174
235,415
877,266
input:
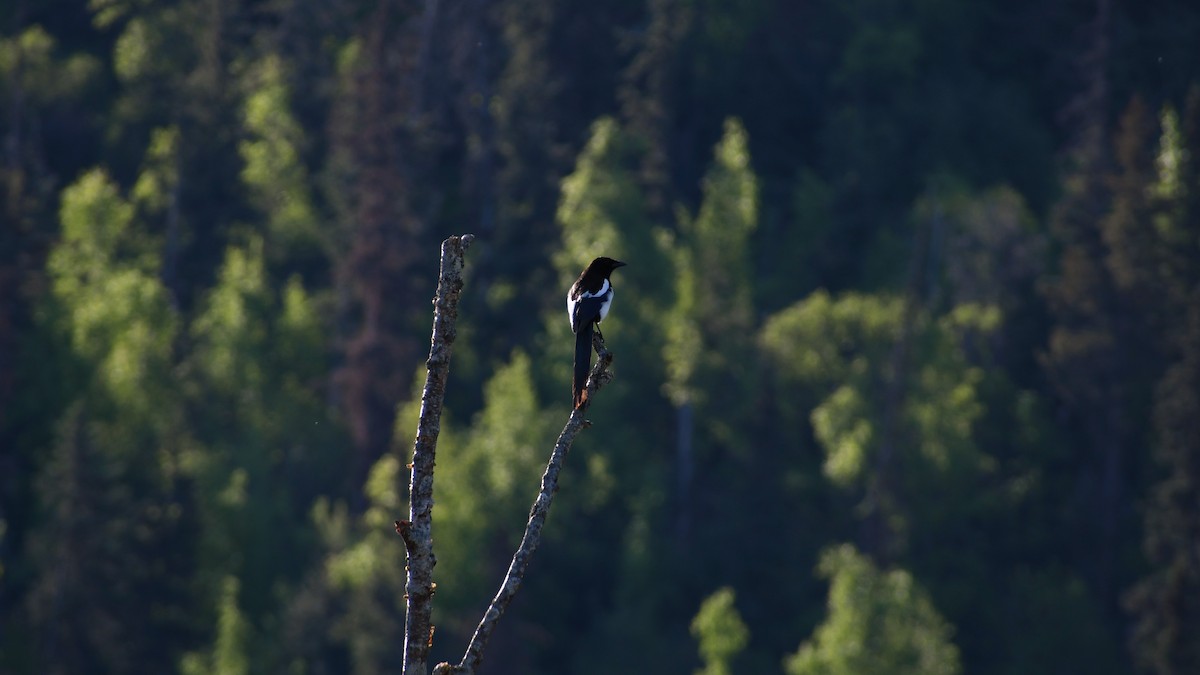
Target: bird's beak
x,y
618,263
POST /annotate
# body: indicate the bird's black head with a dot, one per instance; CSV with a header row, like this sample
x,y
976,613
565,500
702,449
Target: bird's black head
x,y
605,265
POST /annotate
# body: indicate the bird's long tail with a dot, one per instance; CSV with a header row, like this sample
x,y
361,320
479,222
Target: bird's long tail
x,y
583,357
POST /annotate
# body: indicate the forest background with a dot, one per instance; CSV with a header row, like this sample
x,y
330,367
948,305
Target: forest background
x,y
907,350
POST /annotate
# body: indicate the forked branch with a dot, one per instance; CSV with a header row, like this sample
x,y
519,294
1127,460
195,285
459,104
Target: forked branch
x,y
600,375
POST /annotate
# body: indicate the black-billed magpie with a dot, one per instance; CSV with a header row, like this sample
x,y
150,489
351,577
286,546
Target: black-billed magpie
x,y
587,304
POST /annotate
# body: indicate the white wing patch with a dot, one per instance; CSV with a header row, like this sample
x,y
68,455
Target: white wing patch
x,y
606,304
605,295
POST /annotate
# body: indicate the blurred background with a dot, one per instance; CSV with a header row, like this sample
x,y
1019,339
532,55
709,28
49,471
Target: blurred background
x,y
907,350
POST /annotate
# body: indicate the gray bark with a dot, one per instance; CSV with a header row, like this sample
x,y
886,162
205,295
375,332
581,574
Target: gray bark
x,y
418,531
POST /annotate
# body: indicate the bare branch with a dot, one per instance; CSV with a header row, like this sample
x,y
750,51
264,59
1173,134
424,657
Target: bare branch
x,y
417,531
599,376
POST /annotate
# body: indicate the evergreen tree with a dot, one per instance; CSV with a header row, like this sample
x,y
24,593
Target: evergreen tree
x,y
248,270
1164,601
836,353
720,631
47,130
603,212
1097,358
650,99
113,553
234,636
382,276
365,573
173,64
258,417
275,173
709,326
878,622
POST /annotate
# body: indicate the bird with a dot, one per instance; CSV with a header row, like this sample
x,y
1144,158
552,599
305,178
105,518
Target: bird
x,y
588,302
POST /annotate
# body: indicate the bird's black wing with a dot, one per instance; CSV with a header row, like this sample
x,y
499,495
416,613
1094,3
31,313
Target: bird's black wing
x,y
585,310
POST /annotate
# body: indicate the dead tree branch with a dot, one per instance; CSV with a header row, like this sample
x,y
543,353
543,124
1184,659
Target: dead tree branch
x,y
417,530
599,376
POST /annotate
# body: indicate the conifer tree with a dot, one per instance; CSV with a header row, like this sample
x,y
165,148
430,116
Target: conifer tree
x,y
721,632
878,621
1164,602
377,142
113,553
44,83
708,328
1094,332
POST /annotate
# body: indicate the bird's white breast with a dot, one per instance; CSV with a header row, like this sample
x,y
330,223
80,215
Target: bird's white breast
x,y
606,293
606,303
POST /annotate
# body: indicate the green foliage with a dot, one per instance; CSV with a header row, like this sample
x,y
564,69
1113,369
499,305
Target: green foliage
x,y
720,631
718,238
95,224
115,463
992,253
109,503
1055,597
880,304
879,56
370,560
603,212
1169,163
160,176
825,340
841,351
361,573
1109,324
231,330
711,314
273,170
234,635
596,199
877,622
29,61
487,478
132,54
255,354
792,257
117,314
1163,600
